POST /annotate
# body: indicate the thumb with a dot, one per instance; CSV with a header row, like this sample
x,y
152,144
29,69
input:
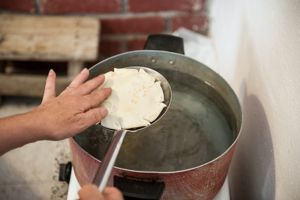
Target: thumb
x,y
49,91
90,192
112,193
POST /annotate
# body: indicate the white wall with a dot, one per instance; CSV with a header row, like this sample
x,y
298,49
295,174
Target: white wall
x,y
258,48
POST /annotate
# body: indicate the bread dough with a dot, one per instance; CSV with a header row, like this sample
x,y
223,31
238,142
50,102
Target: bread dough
x,y
136,99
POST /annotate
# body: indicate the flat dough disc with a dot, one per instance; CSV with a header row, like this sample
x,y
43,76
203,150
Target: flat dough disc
x,y
136,99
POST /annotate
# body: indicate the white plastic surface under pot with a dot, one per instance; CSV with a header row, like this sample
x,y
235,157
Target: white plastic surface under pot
x,y
74,187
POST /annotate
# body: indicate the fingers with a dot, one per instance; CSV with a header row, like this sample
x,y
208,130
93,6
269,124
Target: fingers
x,y
91,85
49,91
97,97
90,192
79,86
112,193
92,113
94,116
80,78
94,99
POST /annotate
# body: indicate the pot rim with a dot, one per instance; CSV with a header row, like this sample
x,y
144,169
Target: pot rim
x,y
187,169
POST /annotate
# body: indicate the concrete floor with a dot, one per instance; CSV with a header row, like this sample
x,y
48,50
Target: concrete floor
x,y
31,172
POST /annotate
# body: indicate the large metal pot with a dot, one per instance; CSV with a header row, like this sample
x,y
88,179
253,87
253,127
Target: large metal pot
x,y
186,155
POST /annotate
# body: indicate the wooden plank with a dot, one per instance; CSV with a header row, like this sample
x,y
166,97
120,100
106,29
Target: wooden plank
x,y
27,37
28,85
2,66
2,70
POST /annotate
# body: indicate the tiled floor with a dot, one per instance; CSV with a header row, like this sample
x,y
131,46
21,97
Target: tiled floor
x,y
31,172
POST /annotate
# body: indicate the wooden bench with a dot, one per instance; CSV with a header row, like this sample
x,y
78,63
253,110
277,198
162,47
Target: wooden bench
x,y
45,38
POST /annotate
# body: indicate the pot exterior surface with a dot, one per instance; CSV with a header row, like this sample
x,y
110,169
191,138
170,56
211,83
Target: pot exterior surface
x,y
203,182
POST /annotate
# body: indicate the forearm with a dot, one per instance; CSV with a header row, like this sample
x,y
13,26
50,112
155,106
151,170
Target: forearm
x,y
74,110
18,130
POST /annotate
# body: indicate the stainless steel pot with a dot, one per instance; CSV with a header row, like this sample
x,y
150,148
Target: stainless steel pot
x,y
186,155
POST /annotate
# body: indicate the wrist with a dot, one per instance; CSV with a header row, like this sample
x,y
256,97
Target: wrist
x,y
38,125
18,130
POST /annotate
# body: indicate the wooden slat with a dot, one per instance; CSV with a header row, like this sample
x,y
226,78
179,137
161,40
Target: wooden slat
x,y
25,37
28,85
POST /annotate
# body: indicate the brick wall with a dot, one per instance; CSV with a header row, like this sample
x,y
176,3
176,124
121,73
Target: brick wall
x,y
125,23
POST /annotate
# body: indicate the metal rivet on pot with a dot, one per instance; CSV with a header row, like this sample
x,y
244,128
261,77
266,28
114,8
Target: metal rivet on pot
x,y
171,62
153,60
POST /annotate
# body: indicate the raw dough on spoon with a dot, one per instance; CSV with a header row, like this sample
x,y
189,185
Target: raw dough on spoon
x,y
136,99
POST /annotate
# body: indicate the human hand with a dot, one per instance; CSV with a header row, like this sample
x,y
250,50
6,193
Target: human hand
x,y
91,192
75,109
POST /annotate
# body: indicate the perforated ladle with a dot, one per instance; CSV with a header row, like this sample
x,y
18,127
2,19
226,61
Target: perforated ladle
x,y
104,170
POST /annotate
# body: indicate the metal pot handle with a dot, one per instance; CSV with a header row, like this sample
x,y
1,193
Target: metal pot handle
x,y
165,42
139,189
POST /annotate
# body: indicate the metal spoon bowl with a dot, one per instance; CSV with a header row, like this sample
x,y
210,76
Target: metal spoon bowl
x,y
104,170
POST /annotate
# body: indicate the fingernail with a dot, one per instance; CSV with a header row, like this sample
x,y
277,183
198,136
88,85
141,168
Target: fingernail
x,y
103,111
51,72
109,90
84,69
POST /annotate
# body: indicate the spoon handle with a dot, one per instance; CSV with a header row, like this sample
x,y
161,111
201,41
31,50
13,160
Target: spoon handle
x,y
104,170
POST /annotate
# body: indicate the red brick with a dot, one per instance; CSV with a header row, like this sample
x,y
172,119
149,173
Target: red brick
x,y
74,6
110,47
164,5
136,44
133,25
18,5
195,22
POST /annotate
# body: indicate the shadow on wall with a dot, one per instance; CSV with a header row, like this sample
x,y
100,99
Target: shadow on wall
x,y
252,173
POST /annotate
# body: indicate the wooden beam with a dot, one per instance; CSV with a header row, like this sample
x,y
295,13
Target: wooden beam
x,y
28,85
28,37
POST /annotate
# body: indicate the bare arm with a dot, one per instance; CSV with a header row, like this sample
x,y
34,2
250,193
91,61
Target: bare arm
x,y
74,110
17,130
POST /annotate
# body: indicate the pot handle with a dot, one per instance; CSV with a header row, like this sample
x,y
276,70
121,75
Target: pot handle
x,y
65,172
139,189
165,42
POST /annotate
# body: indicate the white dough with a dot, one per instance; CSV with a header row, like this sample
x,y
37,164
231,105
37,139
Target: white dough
x,y
136,99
